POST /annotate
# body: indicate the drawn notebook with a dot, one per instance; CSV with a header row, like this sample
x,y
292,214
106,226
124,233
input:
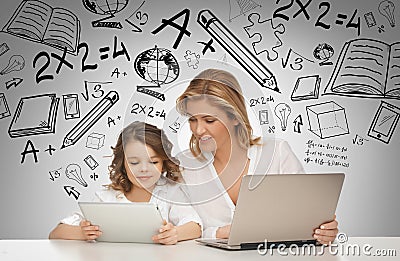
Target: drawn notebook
x,y
306,87
367,68
39,22
34,115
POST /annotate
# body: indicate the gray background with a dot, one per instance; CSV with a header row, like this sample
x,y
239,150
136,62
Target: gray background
x,y
32,204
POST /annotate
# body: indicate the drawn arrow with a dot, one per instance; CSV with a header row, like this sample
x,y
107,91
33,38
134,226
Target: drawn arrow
x,y
297,122
14,82
71,191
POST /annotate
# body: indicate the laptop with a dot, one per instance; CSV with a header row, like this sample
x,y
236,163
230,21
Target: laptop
x,y
280,209
123,222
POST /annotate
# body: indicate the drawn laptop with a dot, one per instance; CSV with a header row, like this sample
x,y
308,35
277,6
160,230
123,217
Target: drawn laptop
x,y
124,222
282,209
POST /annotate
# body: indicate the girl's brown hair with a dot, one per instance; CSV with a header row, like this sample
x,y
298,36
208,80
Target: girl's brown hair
x,y
150,136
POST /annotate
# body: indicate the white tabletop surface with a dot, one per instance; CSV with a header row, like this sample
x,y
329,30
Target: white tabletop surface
x,y
60,250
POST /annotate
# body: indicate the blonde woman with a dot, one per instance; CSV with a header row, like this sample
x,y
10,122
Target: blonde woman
x,y
223,149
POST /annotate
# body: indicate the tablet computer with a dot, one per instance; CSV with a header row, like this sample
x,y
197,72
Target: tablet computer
x,y
123,222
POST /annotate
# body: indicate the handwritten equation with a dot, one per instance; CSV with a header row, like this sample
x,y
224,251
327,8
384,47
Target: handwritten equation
x,y
150,111
326,154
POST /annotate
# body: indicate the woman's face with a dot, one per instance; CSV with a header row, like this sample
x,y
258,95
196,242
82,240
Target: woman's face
x,y
210,125
142,165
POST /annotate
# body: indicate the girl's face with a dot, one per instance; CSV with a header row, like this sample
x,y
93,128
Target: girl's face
x,y
142,165
210,125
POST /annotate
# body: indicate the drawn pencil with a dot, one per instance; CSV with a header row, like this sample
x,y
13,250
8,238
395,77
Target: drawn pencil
x,y
90,119
237,49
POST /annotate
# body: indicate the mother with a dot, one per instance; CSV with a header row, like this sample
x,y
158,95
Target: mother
x,y
222,137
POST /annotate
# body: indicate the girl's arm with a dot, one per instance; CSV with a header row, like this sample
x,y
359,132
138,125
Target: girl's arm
x,y
85,231
64,231
188,231
170,234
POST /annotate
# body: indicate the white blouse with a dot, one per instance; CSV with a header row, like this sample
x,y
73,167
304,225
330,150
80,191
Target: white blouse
x,y
208,195
168,196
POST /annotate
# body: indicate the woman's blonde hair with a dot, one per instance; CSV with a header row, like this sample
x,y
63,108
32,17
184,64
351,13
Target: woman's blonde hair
x,y
223,90
150,136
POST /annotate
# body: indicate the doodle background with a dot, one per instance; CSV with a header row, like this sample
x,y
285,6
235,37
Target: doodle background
x,y
32,202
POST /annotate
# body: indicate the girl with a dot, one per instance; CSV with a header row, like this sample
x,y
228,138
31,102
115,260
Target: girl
x,y
223,146
142,170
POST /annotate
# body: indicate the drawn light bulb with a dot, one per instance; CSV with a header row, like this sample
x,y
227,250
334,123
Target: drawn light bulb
x,y
282,111
73,171
386,8
16,63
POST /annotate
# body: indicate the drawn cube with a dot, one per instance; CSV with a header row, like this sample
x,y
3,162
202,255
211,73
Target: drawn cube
x,y
95,141
327,120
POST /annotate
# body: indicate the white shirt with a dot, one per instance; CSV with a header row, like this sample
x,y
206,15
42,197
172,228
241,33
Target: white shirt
x,y
208,195
168,196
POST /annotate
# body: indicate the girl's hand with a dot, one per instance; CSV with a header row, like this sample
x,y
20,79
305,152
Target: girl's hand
x,y
168,235
327,232
89,231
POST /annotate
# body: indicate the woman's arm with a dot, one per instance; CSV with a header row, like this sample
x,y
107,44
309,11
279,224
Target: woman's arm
x,y
223,232
327,232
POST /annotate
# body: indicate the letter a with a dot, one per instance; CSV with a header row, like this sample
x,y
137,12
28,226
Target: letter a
x,y
116,71
33,150
182,28
110,120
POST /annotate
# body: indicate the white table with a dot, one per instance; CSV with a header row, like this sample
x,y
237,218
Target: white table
x,y
59,250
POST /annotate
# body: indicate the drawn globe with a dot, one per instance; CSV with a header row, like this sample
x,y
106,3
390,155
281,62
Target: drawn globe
x,y
323,51
105,7
157,65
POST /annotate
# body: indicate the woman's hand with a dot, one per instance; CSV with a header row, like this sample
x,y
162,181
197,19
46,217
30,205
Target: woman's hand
x,y
168,234
223,232
89,231
327,232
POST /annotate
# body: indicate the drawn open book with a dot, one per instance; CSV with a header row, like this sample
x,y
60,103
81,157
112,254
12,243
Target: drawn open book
x,y
39,22
367,68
